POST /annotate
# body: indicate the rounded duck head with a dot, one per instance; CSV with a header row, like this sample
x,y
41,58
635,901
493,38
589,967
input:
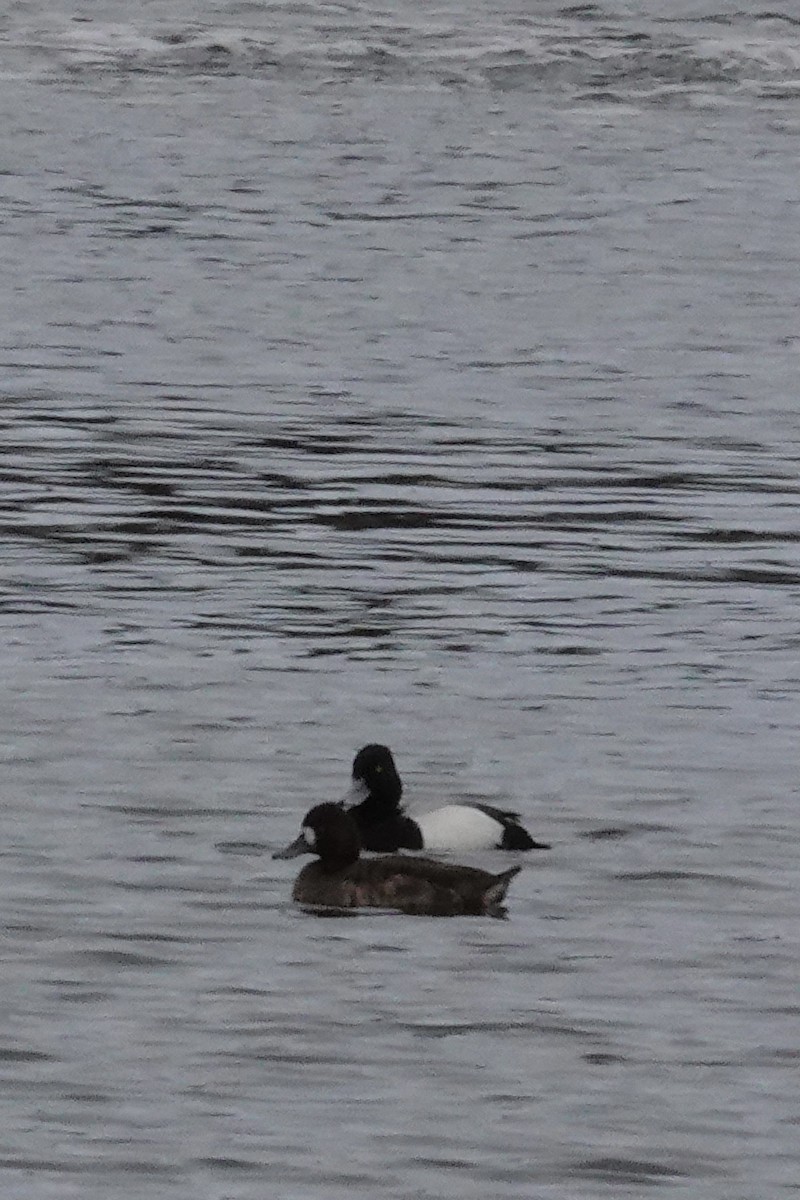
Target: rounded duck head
x,y
329,832
375,776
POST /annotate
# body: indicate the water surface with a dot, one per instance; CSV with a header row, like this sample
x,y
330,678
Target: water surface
x,y
424,377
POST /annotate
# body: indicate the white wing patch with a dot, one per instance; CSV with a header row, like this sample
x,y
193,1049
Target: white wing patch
x,y
459,827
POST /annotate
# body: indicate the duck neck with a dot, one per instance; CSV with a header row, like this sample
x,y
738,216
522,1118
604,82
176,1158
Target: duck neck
x,y
332,864
374,809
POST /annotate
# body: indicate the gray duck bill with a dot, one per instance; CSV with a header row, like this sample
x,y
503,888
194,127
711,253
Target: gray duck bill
x,y
294,849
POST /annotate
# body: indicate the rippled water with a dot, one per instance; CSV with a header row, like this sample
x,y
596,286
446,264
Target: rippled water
x,y
424,377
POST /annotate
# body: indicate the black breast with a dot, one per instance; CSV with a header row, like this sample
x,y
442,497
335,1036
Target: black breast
x,y
393,833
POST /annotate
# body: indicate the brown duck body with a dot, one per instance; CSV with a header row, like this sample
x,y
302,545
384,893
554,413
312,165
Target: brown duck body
x,y
340,878
419,886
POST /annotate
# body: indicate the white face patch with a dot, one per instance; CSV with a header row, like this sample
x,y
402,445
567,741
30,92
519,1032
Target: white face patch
x,y
310,836
355,794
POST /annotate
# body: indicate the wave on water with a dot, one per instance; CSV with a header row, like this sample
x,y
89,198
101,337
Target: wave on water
x,y
581,52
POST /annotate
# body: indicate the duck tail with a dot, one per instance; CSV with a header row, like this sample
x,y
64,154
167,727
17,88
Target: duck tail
x,y
495,893
516,837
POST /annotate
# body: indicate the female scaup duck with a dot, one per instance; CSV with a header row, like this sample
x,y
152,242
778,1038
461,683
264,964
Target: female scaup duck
x,y
342,879
374,802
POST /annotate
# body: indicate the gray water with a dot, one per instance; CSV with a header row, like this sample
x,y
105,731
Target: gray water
x,y
427,375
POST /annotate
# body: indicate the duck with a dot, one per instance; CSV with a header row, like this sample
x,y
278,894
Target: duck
x,y
374,803
342,879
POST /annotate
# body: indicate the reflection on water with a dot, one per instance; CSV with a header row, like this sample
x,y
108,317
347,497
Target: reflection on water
x,y
384,377
390,528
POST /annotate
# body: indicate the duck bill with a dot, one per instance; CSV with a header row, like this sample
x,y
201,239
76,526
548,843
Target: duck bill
x,y
294,849
357,793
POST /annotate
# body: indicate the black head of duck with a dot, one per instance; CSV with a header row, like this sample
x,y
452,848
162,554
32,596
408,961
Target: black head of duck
x,y
341,879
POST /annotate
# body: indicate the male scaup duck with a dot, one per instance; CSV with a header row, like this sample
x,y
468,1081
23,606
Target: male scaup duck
x,y
374,802
421,886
